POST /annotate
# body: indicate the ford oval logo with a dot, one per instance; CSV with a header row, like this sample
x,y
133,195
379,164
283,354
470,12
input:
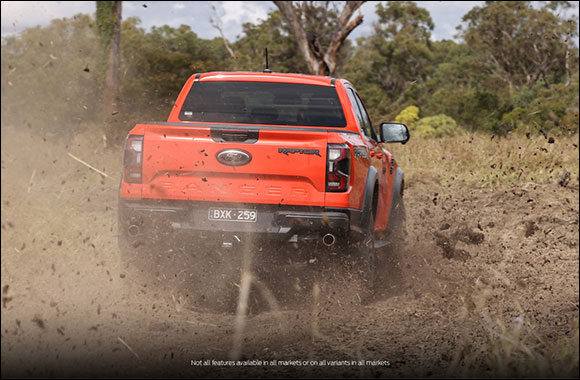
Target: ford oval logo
x,y
234,157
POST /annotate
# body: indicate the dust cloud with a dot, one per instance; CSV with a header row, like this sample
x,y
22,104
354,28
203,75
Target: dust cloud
x,y
477,264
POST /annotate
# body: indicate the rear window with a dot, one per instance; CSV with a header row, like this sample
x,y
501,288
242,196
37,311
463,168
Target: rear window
x,y
263,103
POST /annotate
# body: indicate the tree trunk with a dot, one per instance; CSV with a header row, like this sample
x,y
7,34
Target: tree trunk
x,y
287,10
111,87
321,63
567,64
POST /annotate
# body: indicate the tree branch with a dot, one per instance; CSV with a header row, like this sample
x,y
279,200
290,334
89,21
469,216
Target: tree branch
x,y
216,23
344,28
318,62
287,10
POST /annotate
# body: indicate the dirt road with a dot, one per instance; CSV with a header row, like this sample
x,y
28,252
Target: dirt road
x,y
483,271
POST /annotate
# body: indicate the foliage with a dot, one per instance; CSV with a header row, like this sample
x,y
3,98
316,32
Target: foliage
x,y
521,44
431,126
408,116
105,20
549,111
514,67
461,87
157,64
395,60
513,55
435,126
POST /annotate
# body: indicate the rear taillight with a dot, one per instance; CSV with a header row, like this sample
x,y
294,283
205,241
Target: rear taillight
x,y
338,168
133,160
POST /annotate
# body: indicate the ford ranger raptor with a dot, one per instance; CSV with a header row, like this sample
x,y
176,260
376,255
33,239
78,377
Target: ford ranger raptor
x,y
285,158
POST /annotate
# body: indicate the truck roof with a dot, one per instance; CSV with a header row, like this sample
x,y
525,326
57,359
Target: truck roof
x,y
315,80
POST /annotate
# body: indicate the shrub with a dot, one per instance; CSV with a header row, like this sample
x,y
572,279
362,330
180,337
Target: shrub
x,y
554,110
436,126
408,116
518,119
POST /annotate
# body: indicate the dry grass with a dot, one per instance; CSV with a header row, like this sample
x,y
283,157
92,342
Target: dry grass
x,y
486,160
514,348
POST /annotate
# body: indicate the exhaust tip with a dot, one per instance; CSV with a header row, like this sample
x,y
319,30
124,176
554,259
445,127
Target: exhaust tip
x,y
133,230
329,240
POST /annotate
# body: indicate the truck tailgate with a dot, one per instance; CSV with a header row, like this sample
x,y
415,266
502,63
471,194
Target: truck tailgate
x,y
287,166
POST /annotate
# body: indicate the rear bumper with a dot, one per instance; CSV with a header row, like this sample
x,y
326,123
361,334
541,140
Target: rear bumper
x,y
141,217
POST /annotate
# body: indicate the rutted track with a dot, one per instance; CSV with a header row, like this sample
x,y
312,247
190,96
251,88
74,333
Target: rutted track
x,y
476,259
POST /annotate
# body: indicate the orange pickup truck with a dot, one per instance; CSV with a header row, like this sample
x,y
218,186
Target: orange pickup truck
x,y
286,157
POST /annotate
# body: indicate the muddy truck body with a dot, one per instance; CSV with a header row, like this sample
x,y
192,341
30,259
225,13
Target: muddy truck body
x,y
284,157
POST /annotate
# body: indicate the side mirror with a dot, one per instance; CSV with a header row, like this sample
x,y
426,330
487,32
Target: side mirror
x,y
394,133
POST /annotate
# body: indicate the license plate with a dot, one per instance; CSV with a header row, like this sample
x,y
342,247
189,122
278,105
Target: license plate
x,y
232,215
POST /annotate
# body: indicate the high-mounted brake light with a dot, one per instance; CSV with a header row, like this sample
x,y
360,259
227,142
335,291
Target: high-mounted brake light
x,y
338,168
133,160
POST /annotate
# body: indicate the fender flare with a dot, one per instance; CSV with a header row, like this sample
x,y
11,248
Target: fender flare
x,y
371,180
